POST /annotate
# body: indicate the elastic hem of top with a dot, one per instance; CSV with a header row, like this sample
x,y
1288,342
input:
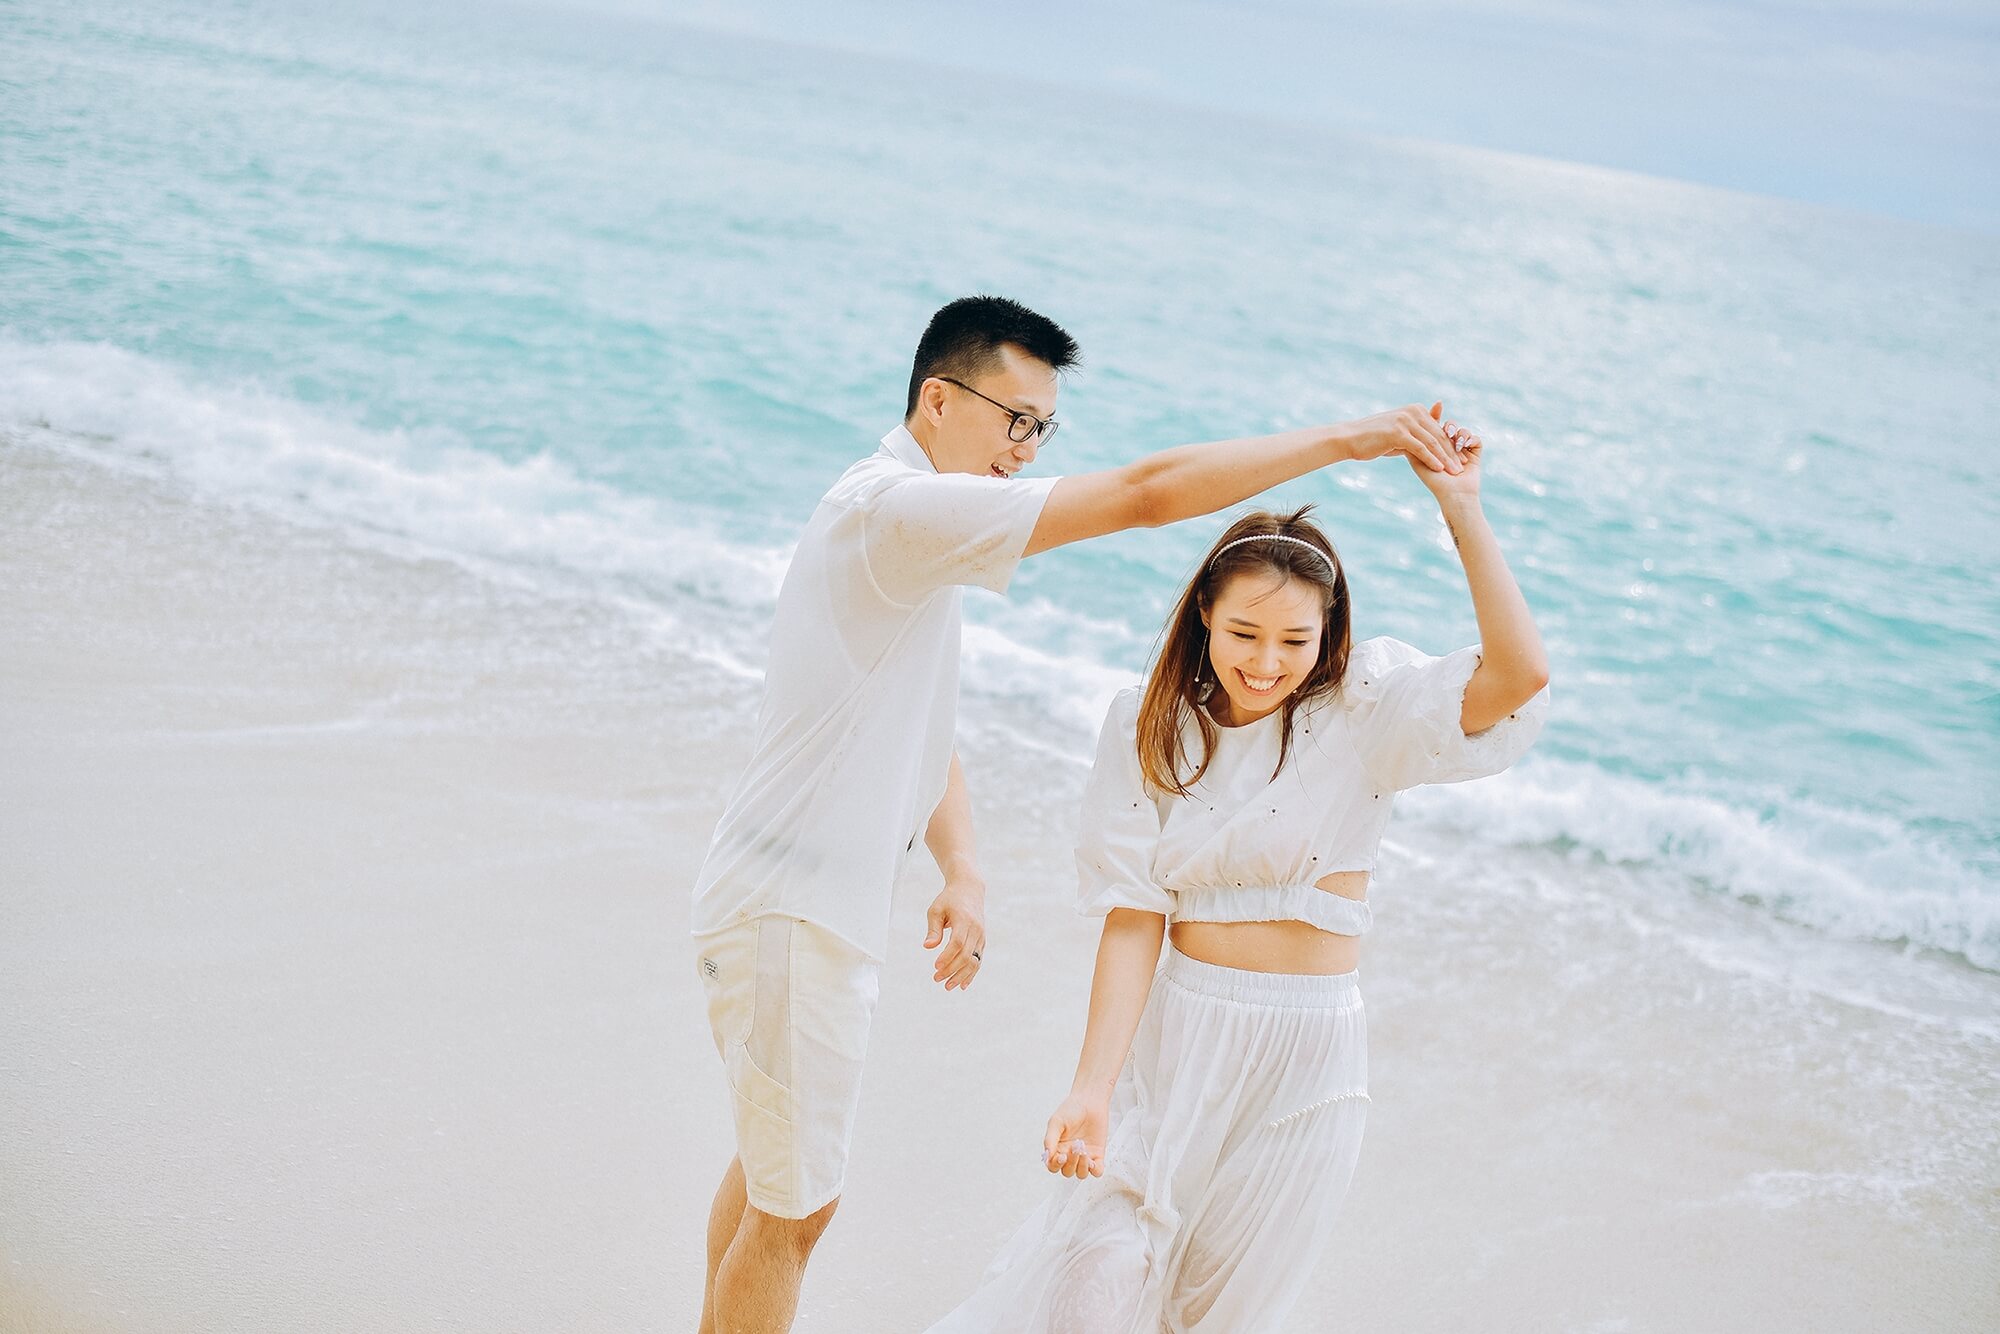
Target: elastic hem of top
x,y
1275,903
1293,990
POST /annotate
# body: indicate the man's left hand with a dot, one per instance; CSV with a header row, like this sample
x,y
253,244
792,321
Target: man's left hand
x,y
960,912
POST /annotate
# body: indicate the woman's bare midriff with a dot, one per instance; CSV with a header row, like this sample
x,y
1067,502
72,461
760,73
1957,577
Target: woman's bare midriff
x,y
1277,947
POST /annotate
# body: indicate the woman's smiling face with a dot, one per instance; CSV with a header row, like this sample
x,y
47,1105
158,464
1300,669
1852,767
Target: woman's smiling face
x,y
1263,641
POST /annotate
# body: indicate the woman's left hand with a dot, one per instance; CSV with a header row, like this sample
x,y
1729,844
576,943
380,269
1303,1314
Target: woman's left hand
x,y
1469,447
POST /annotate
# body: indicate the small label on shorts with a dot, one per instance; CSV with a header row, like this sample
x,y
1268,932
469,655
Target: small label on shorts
x,y
708,966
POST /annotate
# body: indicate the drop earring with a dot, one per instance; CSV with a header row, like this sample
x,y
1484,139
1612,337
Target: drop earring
x,y
1203,687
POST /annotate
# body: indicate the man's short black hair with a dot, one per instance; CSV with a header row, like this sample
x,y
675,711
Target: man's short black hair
x,y
964,338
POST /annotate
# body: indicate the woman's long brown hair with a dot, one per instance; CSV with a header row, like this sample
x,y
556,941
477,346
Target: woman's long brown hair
x,y
1176,688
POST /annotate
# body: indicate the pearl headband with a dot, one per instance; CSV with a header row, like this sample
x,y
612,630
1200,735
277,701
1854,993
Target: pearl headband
x,y
1277,537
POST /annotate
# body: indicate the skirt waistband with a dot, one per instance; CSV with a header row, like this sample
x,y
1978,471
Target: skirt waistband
x,y
1306,991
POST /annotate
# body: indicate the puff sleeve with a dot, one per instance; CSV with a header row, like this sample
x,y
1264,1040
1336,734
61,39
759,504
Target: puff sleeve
x,y
1118,831
1403,711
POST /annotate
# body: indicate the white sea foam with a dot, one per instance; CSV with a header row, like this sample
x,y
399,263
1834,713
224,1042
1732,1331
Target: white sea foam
x,y
1848,873
426,490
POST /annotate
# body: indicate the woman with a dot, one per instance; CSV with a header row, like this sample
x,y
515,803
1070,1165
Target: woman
x,y
1235,808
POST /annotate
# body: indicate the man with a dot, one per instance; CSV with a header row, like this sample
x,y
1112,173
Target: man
x,y
854,757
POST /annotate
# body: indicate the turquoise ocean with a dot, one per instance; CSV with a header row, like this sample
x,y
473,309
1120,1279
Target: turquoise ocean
x,y
607,304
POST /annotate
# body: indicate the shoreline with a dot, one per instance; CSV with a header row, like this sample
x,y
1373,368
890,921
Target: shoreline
x,y
344,981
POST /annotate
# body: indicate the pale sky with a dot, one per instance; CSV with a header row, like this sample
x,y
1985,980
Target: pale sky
x,y
1869,104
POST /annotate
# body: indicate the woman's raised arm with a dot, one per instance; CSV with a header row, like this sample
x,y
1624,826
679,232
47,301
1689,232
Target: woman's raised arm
x,y
1513,665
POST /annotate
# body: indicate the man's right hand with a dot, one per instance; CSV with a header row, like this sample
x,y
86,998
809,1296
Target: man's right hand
x,y
1412,430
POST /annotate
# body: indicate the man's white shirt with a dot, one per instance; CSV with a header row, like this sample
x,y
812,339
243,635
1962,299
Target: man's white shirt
x,y
855,736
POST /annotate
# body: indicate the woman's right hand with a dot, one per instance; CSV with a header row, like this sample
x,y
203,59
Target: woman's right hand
x,y
1074,1144
1413,430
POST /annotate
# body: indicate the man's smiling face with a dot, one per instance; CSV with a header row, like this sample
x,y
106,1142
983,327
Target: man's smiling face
x,y
968,434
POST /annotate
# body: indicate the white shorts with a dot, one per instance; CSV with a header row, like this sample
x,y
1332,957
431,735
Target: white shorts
x,y
1235,1127
789,1005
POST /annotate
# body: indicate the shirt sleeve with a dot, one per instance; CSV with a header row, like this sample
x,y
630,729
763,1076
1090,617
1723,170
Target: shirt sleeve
x,y
928,531
1118,833
1403,713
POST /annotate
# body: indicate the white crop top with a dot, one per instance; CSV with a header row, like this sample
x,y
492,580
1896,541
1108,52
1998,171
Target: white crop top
x,y
1243,846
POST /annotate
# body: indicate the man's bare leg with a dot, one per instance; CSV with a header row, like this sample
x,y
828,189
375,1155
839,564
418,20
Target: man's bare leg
x,y
757,1284
723,1218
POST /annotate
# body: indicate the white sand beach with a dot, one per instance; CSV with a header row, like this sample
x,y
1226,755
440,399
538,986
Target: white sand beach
x,y
344,985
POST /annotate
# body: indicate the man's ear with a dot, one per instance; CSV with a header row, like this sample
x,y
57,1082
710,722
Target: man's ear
x,y
930,397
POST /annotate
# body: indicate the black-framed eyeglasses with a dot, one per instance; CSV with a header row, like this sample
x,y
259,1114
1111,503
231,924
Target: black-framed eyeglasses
x,y
1026,426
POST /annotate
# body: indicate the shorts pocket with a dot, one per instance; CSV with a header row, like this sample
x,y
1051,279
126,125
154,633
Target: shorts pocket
x,y
750,1083
766,1138
839,986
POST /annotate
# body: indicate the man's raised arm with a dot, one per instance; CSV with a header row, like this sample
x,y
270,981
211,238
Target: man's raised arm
x,y
1192,480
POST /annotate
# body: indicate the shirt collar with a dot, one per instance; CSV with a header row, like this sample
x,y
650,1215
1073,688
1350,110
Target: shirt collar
x,y
903,447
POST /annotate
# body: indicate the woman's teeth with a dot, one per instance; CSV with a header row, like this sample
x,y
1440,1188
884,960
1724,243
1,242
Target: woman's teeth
x,y
1260,685
998,471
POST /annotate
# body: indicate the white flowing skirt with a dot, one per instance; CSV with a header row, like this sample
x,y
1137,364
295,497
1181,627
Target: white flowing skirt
x,y
1235,1126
